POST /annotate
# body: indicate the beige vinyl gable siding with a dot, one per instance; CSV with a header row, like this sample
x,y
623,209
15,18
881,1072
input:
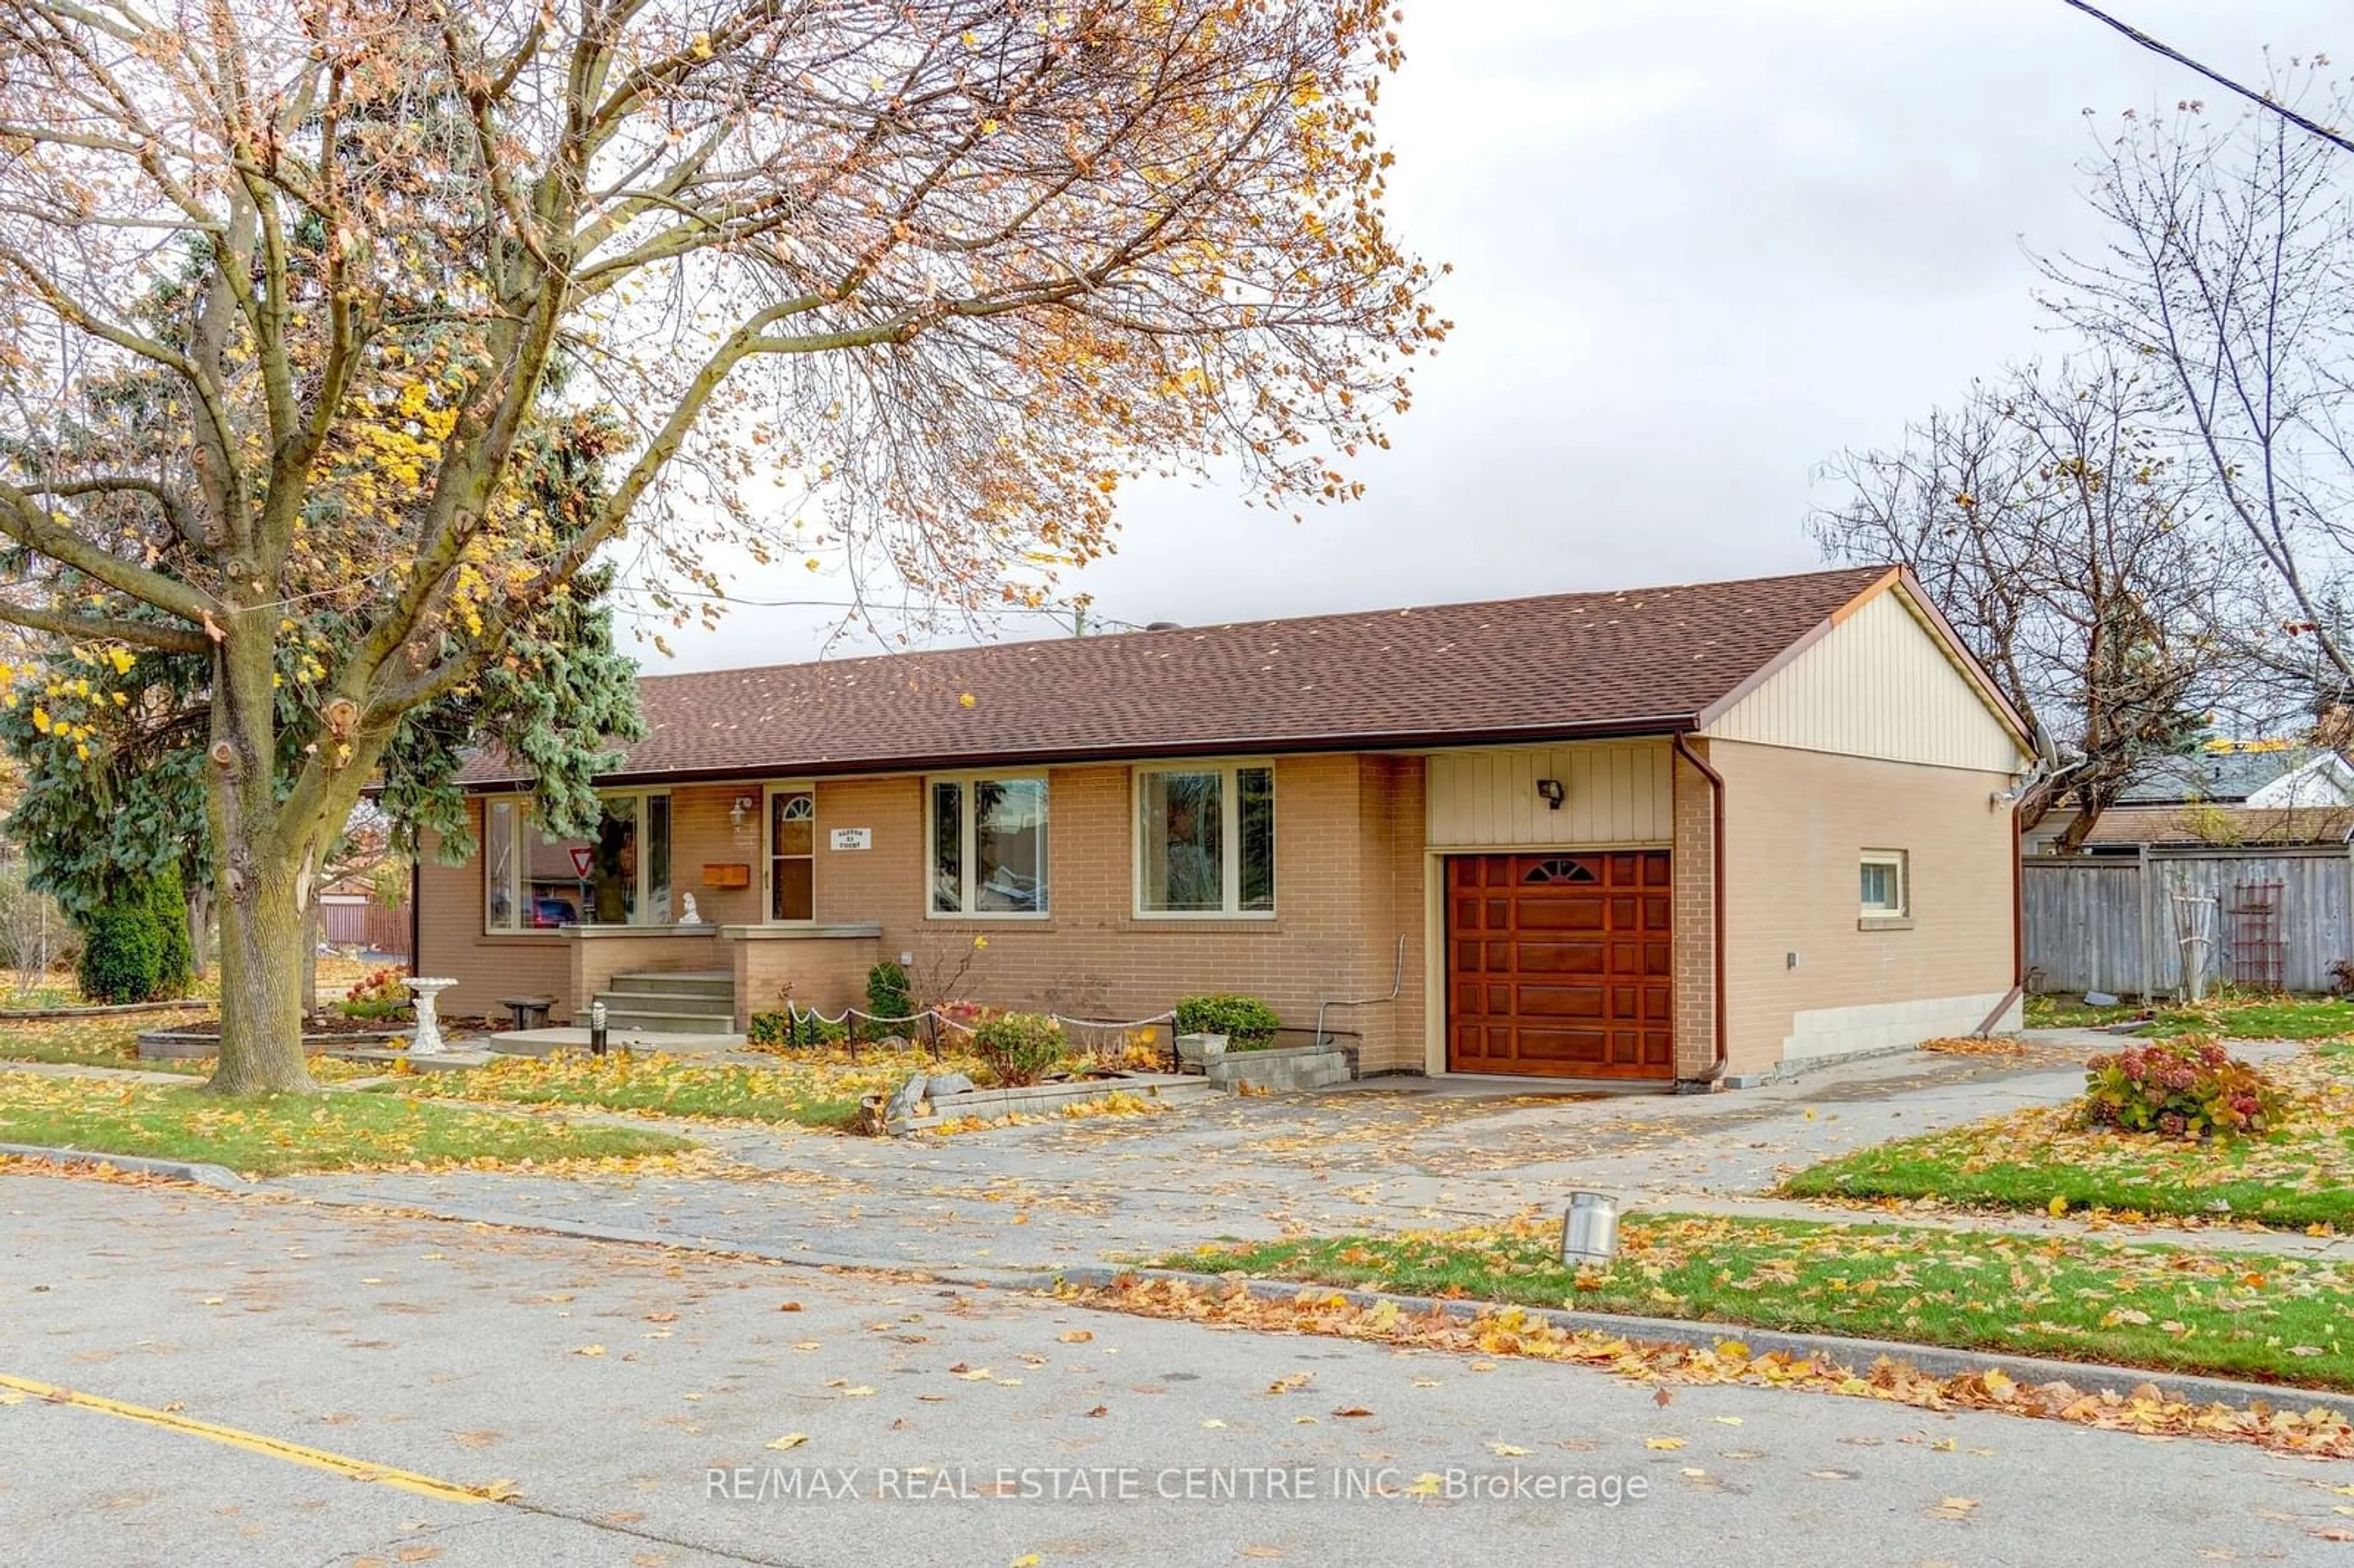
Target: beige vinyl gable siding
x,y
1613,792
1880,683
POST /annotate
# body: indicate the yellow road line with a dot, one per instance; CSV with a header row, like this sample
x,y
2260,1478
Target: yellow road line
x,y
253,1442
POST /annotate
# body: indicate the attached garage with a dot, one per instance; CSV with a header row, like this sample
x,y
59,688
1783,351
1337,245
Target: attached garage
x,y
1561,965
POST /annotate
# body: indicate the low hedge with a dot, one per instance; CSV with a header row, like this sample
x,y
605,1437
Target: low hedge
x,y
1248,1023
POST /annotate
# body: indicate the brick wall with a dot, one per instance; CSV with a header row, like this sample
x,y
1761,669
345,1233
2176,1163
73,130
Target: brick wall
x,y
1348,884
1796,822
1092,956
1693,867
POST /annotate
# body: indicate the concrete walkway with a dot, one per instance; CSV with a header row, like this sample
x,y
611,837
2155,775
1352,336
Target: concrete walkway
x,y
1383,1155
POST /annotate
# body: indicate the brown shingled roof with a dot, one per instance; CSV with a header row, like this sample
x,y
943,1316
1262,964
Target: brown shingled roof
x,y
1641,660
2231,823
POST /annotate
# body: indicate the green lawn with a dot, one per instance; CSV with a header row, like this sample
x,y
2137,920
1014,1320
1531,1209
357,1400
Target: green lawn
x,y
272,1135
810,1090
2300,1175
2264,1018
92,1041
2269,1318
2229,1014
2060,1009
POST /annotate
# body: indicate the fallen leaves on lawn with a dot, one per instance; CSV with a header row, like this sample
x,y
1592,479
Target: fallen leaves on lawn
x,y
2298,1174
2318,1432
815,1088
2073,1297
277,1133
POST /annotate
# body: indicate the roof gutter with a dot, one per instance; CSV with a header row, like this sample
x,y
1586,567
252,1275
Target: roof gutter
x,y
1717,1009
1647,726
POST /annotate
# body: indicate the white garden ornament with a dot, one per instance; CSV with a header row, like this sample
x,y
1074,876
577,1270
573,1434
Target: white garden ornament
x,y
427,1042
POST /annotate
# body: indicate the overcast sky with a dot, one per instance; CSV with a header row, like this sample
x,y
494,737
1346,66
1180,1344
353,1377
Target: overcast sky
x,y
1699,246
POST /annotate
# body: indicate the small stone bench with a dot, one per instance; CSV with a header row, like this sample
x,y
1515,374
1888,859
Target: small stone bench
x,y
528,1011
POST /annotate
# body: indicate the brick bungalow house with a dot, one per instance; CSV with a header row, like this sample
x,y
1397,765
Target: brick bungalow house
x,y
1662,834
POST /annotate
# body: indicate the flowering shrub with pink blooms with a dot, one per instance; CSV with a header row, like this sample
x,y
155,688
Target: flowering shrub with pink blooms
x,y
2188,1086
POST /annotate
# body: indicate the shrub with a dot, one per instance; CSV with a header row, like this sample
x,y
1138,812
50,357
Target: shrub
x,y
793,1029
889,997
1248,1023
378,994
1019,1047
119,953
2188,1086
175,955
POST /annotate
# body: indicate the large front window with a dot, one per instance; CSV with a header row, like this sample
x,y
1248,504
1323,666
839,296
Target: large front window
x,y
1206,839
616,875
988,847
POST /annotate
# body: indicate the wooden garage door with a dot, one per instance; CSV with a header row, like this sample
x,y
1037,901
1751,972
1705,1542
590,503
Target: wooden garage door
x,y
1560,965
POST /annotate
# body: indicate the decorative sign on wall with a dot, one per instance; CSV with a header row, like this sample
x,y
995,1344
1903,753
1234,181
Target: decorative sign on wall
x,y
852,838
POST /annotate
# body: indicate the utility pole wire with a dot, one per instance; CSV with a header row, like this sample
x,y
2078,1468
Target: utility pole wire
x,y
2337,138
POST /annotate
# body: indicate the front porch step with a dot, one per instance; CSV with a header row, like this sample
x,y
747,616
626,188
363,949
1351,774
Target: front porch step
x,y
548,1042
677,982
659,1020
668,1001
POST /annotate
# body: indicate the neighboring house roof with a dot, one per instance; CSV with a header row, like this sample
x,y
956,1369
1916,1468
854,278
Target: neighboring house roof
x,y
2219,776
2204,824
2328,781
1641,660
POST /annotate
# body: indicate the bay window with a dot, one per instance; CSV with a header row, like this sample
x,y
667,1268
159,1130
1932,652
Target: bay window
x,y
616,875
1206,839
987,847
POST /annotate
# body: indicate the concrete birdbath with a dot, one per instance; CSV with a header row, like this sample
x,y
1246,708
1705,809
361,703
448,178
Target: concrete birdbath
x,y
428,1027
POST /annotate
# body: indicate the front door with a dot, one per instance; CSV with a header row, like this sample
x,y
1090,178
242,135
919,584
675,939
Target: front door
x,y
1561,965
791,872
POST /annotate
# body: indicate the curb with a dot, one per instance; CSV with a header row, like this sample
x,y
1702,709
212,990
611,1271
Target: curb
x,y
199,1171
1857,1354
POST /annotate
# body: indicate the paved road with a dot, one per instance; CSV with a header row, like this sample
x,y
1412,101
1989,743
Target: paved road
x,y
462,1353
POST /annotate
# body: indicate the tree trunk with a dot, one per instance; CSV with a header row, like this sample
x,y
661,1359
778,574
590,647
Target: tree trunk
x,y
262,927
315,927
266,872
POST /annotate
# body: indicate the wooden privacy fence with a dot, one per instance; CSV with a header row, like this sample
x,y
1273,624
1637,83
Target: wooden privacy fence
x,y
369,924
2280,917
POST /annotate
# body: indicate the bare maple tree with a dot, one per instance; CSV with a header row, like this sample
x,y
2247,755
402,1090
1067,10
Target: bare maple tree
x,y
934,275
2228,271
2048,521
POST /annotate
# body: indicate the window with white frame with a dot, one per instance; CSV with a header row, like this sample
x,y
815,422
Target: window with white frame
x,y
616,875
987,846
1883,876
1205,838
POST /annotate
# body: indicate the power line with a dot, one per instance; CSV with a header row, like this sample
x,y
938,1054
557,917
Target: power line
x,y
2336,138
